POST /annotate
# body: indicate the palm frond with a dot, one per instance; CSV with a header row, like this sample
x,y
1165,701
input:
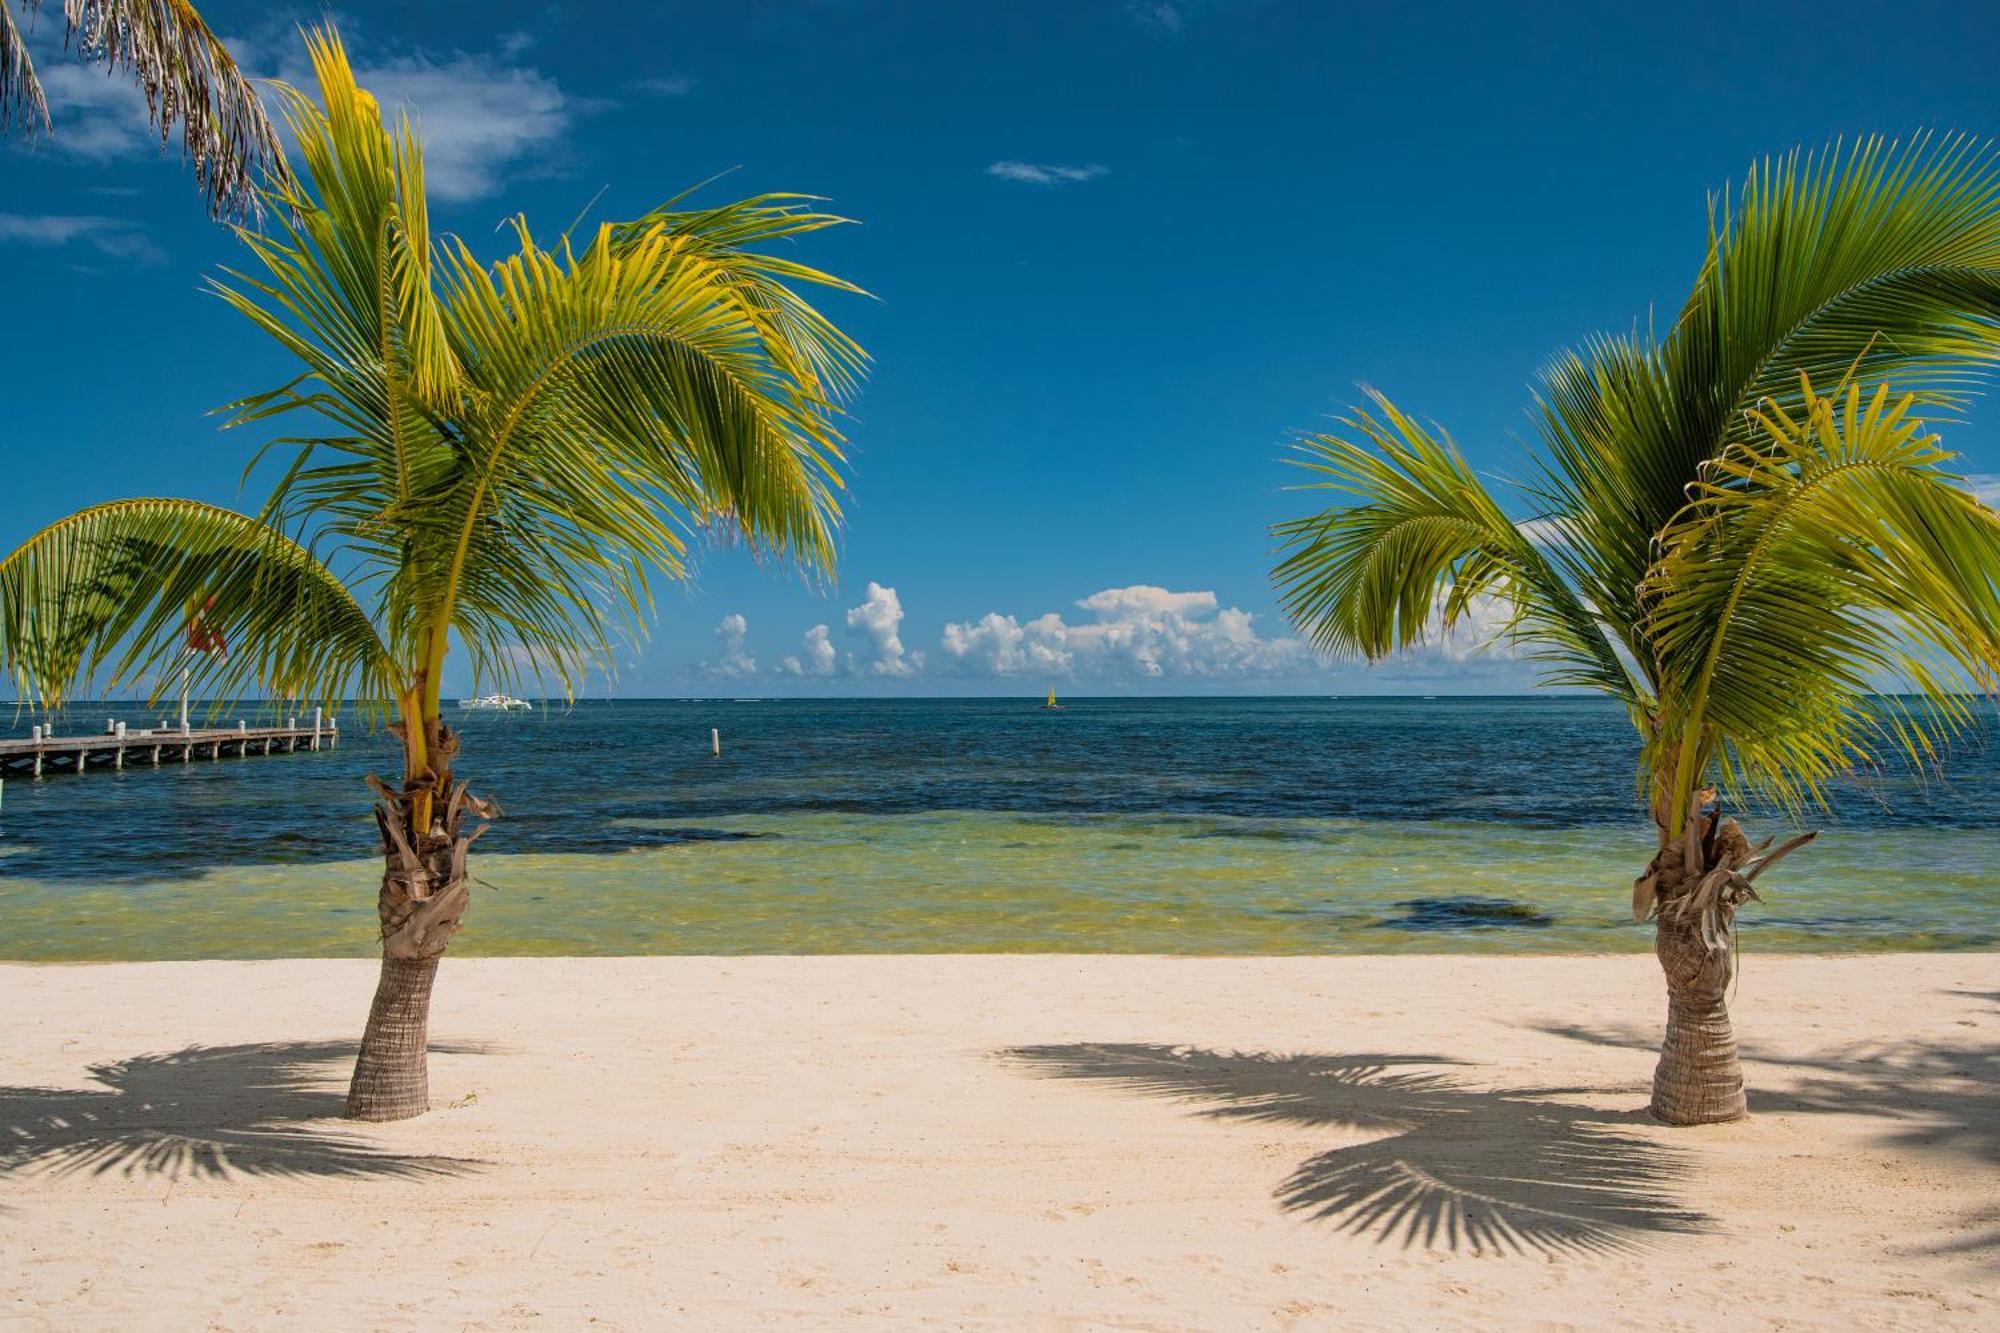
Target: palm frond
x,y
23,104
503,452
1824,561
1881,261
1423,542
114,588
188,77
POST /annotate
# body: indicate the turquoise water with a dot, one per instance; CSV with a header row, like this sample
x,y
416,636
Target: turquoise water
x,y
1176,826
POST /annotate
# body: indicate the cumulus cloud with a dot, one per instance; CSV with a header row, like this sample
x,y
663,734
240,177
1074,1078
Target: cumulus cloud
x,y
1149,633
817,659
998,645
1046,173
879,619
116,237
735,660
1141,631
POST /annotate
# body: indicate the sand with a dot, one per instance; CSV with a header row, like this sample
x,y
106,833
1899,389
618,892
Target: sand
x,y
999,1142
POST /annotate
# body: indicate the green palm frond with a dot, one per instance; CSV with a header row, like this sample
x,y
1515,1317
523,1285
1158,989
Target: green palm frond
x,y
506,451
1823,560
1881,261
189,80
1425,541
116,586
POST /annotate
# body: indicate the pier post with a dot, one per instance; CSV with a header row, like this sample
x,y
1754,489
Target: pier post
x,y
715,740
36,734
316,723
156,756
38,763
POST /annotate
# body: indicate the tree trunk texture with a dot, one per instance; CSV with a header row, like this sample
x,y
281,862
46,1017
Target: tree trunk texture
x,y
1695,884
421,904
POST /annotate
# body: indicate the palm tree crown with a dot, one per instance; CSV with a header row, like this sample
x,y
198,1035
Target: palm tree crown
x,y
492,456
1744,563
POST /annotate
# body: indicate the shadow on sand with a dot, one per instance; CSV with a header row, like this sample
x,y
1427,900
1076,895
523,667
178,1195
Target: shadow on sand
x,y
1936,1097
205,1111
1519,1171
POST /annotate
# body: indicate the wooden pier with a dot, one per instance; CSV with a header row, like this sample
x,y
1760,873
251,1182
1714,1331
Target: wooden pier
x,y
43,755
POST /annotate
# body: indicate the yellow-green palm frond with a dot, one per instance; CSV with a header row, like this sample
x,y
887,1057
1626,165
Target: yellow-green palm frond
x,y
1422,542
189,79
1881,260
502,452
1823,562
113,588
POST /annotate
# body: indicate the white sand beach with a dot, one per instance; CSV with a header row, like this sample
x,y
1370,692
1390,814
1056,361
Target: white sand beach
x,y
999,1142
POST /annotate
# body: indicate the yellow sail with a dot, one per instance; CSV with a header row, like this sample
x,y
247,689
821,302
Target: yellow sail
x,y
1052,698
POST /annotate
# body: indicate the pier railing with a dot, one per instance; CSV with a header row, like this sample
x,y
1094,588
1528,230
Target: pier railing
x,y
42,754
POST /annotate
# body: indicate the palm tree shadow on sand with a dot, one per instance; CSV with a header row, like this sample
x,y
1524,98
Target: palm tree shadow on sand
x,y
205,1111
1934,1097
1519,1171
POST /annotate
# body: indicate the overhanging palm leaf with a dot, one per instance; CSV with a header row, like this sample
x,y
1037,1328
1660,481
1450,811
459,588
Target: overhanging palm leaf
x,y
187,75
1424,543
1824,557
114,587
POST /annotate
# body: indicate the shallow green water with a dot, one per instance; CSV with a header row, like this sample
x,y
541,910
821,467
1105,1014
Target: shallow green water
x,y
977,881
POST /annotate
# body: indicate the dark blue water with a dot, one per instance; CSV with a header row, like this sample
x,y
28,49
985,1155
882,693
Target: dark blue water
x,y
603,777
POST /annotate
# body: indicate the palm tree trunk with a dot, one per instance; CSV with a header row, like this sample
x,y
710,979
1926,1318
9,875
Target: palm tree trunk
x,y
422,902
392,1076
1698,1081
1695,884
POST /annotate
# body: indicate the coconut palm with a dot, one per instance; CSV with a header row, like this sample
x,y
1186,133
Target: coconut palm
x,y
188,77
491,457
1780,586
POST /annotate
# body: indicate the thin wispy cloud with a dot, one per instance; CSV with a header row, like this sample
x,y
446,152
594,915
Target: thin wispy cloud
x,y
484,116
1985,487
119,238
667,85
1046,173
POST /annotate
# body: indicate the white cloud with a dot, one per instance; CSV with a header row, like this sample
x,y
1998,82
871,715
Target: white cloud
x,y
735,661
117,237
1143,632
818,657
1045,173
998,645
1985,488
879,619
1544,532
482,116
1149,633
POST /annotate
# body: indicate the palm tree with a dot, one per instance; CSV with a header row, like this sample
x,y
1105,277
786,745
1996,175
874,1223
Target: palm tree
x,y
1743,563
188,76
490,456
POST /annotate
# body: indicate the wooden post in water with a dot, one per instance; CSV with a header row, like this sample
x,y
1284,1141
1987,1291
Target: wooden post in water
x,y
715,740
317,712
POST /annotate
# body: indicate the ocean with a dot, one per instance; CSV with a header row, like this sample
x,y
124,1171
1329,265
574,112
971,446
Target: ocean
x,y
1193,826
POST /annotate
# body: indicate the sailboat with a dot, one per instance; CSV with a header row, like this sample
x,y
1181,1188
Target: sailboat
x,y
1052,699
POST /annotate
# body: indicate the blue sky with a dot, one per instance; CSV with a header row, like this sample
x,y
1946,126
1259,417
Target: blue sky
x,y
1121,254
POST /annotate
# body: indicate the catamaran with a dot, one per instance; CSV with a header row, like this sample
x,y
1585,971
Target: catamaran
x,y
496,703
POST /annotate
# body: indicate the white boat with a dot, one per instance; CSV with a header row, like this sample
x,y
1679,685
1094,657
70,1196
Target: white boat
x,y
496,703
